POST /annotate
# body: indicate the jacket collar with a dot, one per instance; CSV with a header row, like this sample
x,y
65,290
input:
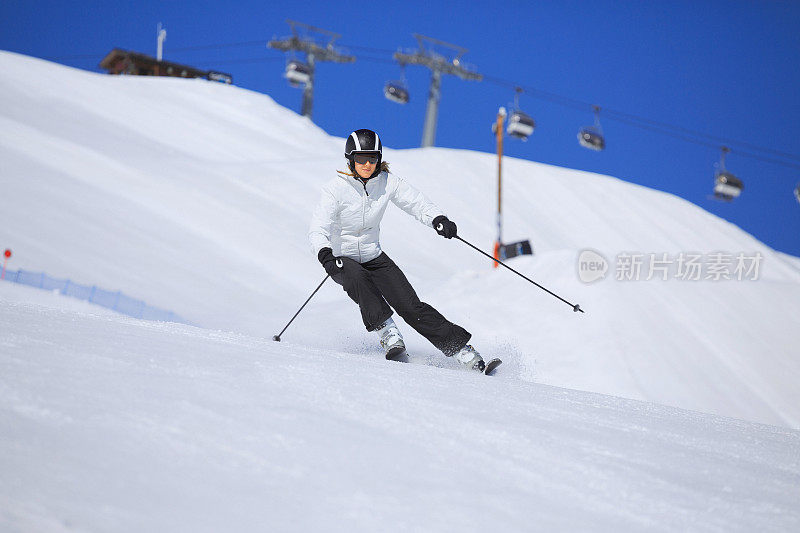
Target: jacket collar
x,y
359,182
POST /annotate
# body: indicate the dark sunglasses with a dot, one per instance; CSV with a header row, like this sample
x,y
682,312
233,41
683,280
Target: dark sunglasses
x,y
364,158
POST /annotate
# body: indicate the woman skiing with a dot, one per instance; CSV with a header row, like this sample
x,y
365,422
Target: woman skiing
x,y
344,233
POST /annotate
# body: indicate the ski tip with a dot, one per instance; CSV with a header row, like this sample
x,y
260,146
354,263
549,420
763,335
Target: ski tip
x,y
398,354
491,366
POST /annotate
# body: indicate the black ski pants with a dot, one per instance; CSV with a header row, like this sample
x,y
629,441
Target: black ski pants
x,y
379,285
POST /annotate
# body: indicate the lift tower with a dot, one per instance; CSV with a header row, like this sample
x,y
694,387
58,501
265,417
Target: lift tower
x,y
438,64
314,53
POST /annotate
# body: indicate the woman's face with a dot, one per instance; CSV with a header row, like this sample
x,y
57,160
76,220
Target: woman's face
x,y
365,164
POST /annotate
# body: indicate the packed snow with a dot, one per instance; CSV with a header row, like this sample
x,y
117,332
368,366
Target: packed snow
x,y
114,424
667,405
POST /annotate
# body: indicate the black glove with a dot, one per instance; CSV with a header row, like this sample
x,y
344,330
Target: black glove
x,y
445,227
329,262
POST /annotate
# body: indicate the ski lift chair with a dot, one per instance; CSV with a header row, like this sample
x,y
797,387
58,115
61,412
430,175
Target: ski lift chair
x,y
727,186
298,73
520,125
396,92
592,139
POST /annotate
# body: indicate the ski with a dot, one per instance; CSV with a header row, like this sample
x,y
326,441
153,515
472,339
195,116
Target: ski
x,y
491,366
401,356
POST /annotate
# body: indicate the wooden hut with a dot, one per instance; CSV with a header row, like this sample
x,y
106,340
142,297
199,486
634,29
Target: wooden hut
x,y
127,62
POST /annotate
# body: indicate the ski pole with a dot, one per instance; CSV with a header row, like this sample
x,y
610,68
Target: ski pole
x,y
278,336
575,307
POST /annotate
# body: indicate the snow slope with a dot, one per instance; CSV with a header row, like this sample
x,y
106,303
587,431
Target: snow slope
x,y
113,424
196,196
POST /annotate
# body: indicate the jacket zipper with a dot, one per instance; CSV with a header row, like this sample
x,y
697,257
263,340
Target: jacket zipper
x,y
363,216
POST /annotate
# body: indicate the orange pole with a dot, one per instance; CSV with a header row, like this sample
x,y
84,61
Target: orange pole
x,y
501,116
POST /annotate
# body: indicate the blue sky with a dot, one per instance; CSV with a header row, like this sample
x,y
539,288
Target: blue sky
x,y
728,69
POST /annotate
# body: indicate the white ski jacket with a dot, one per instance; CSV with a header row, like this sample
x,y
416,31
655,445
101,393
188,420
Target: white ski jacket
x,y
348,216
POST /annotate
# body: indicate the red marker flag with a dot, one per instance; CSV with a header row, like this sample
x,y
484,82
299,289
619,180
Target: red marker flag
x,y
6,255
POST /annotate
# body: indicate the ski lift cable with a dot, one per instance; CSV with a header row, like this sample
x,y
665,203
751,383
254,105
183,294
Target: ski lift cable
x,y
556,98
542,95
377,59
709,144
649,124
706,135
620,116
68,58
370,49
182,49
240,61
218,46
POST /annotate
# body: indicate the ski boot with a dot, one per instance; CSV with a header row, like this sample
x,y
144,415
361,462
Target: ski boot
x,y
392,342
469,357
